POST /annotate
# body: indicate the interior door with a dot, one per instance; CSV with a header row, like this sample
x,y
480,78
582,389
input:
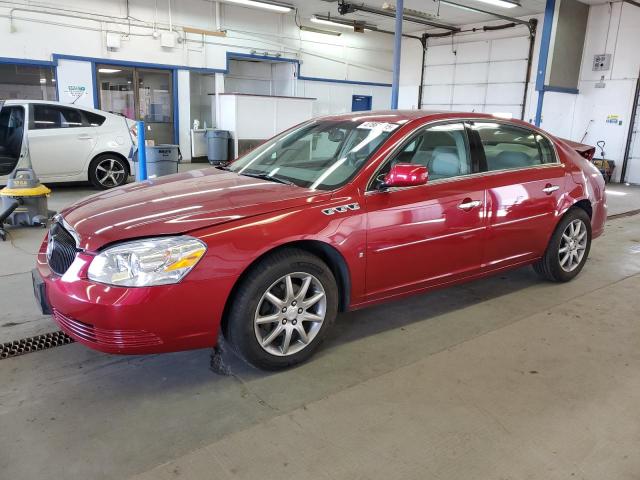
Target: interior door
x,y
429,234
60,142
525,183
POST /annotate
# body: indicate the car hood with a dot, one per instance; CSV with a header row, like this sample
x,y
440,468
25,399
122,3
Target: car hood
x,y
178,204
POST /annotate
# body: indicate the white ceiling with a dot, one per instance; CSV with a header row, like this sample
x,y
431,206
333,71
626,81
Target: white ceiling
x,y
446,14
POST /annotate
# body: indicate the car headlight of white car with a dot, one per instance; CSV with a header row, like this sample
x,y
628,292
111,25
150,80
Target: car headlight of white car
x,y
148,262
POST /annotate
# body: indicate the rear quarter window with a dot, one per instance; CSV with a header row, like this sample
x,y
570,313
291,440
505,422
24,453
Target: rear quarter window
x,y
93,119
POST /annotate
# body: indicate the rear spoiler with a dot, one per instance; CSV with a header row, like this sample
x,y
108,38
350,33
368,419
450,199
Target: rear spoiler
x,y
586,151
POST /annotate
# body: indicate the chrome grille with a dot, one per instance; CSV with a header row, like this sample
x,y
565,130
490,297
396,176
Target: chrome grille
x,y
61,248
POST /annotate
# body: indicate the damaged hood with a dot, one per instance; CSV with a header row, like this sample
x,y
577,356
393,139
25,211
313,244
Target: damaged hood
x,y
178,204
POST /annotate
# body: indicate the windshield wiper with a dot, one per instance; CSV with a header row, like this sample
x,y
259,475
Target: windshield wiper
x,y
223,167
264,176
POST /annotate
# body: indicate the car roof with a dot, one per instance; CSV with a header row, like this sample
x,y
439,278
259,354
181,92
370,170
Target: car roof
x,y
16,101
422,116
407,115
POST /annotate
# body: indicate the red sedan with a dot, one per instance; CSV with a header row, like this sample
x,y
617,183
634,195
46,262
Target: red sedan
x,y
335,214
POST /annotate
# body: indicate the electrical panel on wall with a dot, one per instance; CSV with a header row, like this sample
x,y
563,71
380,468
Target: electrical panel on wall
x,y
601,62
567,41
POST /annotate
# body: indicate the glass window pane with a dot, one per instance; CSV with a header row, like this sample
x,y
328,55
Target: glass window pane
x,y
443,149
507,147
116,90
93,119
155,96
50,116
27,82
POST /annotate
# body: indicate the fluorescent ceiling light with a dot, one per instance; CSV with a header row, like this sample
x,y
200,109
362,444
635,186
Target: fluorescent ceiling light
x,y
315,19
350,24
319,30
501,3
108,70
273,6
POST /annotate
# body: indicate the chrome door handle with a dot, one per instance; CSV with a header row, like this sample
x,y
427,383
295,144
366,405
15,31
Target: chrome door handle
x,y
468,205
550,189
85,137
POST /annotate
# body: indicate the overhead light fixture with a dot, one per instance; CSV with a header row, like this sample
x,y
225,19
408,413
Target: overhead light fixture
x,y
354,25
273,6
108,70
501,3
319,30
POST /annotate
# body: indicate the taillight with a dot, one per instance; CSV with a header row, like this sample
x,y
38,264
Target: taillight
x,y
588,154
133,131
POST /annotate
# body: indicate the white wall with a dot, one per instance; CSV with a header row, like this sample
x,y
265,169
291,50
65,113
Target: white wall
x,y
28,32
80,27
615,29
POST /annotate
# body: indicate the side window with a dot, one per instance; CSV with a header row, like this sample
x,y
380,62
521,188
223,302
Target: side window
x,y
443,149
546,149
52,116
509,147
93,119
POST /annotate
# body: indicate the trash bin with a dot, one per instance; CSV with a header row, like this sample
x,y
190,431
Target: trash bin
x,y
161,160
218,146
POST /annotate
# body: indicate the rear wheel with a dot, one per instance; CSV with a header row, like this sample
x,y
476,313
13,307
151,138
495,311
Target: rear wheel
x,y
108,171
283,309
568,248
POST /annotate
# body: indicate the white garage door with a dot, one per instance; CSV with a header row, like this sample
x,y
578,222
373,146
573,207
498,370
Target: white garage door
x,y
487,76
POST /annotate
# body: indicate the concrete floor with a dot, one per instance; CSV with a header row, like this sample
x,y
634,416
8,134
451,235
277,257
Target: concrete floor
x,y
507,377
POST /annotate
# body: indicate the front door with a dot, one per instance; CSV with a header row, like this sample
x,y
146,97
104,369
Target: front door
x,y
525,183
430,234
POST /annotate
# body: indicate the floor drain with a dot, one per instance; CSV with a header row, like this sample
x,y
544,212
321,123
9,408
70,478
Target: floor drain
x,y
34,344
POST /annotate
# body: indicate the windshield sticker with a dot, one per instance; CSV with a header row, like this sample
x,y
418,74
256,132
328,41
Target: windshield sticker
x,y
383,126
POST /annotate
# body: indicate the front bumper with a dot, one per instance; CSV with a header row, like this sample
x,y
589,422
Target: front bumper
x,y
124,320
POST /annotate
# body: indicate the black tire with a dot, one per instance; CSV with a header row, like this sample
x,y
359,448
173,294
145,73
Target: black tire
x,y
263,277
549,266
97,172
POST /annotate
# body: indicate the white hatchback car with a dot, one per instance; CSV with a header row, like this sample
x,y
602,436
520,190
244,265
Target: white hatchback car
x,y
67,143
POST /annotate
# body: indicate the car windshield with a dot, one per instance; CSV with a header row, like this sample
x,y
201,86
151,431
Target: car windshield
x,y
321,155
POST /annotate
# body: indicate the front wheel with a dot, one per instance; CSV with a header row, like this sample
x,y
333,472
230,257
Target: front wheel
x,y
568,248
108,171
283,310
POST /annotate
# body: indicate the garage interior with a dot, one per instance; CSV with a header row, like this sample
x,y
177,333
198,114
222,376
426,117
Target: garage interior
x,y
506,377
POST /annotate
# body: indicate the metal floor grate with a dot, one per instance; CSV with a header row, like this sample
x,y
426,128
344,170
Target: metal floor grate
x,y
34,344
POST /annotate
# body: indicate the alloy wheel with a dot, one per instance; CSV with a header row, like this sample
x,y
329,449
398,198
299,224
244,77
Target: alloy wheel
x,y
290,314
573,245
110,173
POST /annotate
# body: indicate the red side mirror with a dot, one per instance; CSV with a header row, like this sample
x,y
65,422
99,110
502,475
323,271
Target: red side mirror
x,y
406,175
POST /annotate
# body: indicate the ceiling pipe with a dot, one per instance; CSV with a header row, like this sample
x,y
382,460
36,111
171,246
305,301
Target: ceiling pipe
x,y
344,8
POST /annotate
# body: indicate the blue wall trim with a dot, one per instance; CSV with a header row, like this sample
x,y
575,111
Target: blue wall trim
x,y
545,42
25,61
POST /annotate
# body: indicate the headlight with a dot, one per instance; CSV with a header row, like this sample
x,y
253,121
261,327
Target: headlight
x,y
143,263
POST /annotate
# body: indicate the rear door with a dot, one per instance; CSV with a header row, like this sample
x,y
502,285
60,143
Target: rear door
x,y
60,140
524,183
429,234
